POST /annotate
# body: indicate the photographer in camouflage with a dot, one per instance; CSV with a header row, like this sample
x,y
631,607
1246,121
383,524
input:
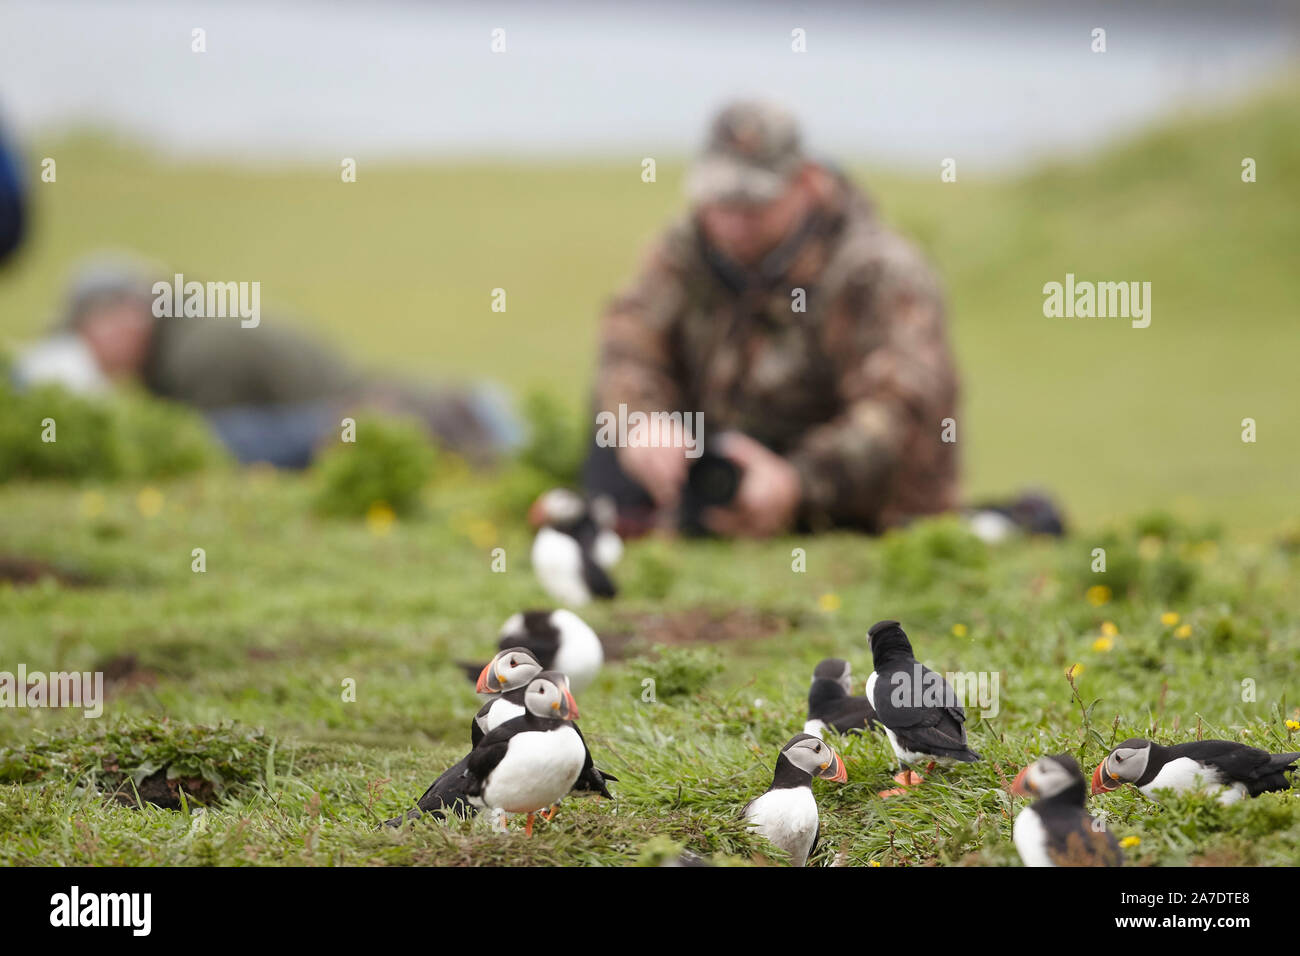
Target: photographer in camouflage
x,y
810,338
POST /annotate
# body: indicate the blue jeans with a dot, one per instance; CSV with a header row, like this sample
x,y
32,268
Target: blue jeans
x,y
283,435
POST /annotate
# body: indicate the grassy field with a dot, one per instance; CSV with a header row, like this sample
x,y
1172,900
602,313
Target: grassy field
x,y
290,607
234,678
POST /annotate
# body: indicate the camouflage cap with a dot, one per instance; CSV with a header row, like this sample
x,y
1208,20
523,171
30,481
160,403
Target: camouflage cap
x,y
752,151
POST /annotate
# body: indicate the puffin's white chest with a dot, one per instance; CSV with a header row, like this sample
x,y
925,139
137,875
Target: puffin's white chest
x,y
1184,775
607,550
1030,838
500,711
557,562
580,654
788,818
539,768
814,727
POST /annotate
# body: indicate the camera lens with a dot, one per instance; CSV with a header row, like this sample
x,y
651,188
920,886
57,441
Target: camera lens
x,y
713,480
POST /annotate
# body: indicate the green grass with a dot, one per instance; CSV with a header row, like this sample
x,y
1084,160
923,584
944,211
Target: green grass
x,y
235,676
291,606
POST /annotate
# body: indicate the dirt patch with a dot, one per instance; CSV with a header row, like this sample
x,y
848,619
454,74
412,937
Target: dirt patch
x,y
696,625
28,571
164,793
124,673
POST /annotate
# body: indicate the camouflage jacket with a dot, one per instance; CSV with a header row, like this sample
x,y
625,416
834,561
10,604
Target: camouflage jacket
x,y
852,390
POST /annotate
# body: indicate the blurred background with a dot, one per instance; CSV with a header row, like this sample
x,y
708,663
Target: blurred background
x,y
522,170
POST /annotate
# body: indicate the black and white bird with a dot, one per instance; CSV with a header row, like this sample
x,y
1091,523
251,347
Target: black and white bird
x,y
787,813
831,702
529,763
1231,770
560,640
576,546
503,680
916,706
509,703
1056,830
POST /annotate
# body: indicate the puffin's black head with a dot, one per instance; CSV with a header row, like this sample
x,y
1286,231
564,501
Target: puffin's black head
x,y
836,670
814,756
888,642
1050,776
511,668
534,623
558,507
548,696
1125,764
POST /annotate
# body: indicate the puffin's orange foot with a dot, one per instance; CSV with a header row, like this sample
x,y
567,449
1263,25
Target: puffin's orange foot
x,y
908,778
528,826
886,794
549,814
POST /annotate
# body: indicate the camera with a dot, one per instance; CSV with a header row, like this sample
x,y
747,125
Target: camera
x,y
711,482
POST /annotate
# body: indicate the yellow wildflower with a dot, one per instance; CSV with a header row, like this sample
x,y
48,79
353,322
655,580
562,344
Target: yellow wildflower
x,y
1149,547
92,504
149,502
1098,595
380,518
829,602
481,532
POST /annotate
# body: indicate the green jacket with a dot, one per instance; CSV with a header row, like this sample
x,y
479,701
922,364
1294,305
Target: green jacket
x,y
215,363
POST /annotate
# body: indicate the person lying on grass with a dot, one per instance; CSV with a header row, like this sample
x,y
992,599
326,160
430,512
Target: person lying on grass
x,y
271,393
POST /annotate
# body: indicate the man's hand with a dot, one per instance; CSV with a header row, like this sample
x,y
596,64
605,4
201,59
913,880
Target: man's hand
x,y
660,470
769,492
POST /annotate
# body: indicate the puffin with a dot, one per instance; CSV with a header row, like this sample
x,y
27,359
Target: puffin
x,y
1234,771
575,547
503,679
831,704
510,704
787,813
927,724
529,763
560,640
1056,830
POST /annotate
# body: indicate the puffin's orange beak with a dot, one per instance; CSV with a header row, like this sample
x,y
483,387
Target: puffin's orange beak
x,y
484,685
573,705
839,772
1098,783
1019,787
537,514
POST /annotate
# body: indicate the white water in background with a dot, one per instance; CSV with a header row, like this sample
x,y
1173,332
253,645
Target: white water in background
x,y
306,79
